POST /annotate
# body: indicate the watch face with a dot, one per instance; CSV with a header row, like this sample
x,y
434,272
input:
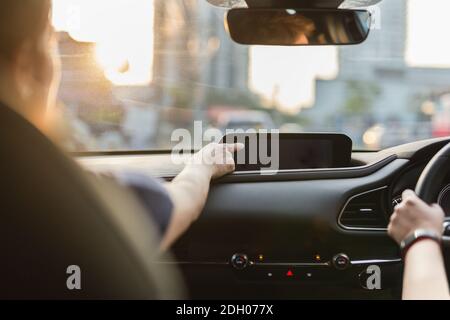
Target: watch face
x,y
403,244
408,239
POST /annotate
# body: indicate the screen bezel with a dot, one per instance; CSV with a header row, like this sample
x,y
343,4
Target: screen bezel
x,y
341,147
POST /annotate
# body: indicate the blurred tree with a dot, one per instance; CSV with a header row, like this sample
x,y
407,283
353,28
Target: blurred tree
x,y
236,98
360,97
183,96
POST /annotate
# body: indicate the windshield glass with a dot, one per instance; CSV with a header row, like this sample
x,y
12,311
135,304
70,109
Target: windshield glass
x,y
135,71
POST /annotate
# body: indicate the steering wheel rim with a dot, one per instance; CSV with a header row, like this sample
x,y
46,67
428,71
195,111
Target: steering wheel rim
x,y
432,177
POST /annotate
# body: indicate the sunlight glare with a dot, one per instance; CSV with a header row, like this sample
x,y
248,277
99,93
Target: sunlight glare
x,y
121,29
287,74
427,43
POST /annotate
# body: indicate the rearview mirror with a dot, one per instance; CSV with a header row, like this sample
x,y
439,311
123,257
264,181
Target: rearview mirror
x,y
298,27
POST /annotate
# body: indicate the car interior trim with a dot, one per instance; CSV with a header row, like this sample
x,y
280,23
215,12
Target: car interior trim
x,y
359,228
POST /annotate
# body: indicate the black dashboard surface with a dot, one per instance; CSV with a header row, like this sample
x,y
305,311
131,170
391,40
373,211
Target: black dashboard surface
x,y
287,229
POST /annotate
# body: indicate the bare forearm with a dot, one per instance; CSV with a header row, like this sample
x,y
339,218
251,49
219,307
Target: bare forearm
x,y
188,191
424,276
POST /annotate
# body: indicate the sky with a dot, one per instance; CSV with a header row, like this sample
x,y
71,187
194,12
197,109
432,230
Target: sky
x,y
284,73
428,28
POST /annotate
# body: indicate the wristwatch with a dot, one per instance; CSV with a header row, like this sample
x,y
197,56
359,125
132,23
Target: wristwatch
x,y
416,236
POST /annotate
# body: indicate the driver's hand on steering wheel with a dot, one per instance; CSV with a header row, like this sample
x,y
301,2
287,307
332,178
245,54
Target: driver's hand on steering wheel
x,y
413,214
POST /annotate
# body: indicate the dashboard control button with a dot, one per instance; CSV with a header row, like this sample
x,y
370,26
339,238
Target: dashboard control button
x,y
341,261
239,261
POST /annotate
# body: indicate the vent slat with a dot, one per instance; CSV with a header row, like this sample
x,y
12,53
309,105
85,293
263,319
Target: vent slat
x,y
365,211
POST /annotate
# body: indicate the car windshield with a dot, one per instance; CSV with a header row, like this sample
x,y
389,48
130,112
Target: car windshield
x,y
135,71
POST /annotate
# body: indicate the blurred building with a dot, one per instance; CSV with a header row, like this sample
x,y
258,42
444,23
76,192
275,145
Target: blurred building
x,y
193,52
82,80
100,115
192,59
391,91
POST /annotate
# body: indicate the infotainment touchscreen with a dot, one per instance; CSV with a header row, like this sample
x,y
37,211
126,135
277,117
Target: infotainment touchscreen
x,y
291,151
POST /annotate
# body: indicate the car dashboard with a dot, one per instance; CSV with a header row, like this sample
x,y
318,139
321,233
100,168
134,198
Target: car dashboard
x,y
297,234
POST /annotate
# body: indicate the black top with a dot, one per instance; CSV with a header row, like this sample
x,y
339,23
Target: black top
x,y
52,219
152,194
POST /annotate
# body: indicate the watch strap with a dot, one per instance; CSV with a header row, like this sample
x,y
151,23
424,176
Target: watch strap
x,y
416,236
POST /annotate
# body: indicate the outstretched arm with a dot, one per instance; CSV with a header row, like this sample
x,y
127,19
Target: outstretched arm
x,y
189,190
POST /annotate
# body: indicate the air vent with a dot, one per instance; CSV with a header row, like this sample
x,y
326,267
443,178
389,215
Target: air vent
x,y
365,211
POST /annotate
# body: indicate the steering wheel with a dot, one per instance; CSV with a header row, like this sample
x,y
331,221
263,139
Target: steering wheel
x,y
431,180
432,177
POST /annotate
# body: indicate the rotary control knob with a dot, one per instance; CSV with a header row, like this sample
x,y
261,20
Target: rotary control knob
x,y
341,261
239,261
